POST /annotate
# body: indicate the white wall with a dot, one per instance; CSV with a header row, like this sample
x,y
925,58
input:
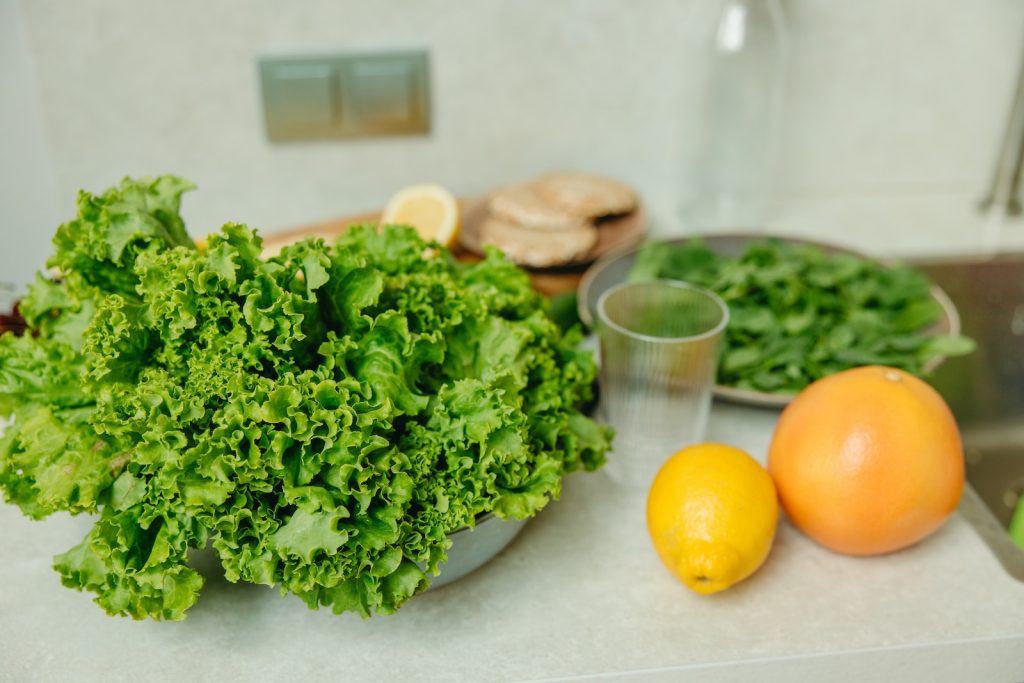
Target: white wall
x,y
886,98
28,212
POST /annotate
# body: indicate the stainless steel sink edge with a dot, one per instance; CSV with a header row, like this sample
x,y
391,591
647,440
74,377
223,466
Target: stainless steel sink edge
x,y
986,390
994,534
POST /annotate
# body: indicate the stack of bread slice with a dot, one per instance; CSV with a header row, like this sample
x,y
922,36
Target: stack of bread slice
x,y
551,221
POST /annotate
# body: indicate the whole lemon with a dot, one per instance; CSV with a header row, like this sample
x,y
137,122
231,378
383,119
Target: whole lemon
x,y
712,512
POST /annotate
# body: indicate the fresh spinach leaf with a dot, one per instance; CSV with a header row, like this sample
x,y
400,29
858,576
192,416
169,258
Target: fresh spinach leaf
x,y
798,313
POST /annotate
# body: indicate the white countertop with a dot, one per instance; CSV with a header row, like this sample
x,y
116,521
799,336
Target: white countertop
x,y
579,593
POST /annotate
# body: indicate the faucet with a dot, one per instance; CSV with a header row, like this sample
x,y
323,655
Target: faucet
x,y
1004,195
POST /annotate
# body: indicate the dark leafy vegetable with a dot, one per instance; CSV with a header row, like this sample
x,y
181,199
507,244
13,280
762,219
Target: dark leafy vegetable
x,y
12,321
564,311
322,419
798,313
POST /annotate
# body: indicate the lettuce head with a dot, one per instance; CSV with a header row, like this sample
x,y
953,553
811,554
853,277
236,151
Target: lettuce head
x,y
322,419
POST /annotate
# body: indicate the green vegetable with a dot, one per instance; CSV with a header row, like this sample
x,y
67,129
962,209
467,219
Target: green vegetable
x,y
798,314
321,419
564,311
1016,528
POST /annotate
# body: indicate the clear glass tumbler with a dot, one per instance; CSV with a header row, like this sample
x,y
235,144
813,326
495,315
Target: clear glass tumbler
x,y
660,343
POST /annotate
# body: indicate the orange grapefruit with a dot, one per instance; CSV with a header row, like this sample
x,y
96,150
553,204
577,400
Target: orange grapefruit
x,y
867,461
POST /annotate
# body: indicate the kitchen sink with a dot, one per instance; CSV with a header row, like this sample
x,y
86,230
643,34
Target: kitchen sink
x,y
986,391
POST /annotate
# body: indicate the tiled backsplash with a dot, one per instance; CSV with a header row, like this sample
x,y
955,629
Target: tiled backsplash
x,y
884,98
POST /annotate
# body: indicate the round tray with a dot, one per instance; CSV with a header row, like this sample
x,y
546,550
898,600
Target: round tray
x,y
614,268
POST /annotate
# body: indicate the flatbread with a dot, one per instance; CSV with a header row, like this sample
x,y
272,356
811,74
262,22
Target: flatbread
x,y
584,195
522,204
538,248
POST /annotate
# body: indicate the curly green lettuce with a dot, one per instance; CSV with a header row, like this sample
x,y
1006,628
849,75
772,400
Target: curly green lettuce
x,y
322,419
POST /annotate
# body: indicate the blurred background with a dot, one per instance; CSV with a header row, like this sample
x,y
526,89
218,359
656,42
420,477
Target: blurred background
x,y
891,114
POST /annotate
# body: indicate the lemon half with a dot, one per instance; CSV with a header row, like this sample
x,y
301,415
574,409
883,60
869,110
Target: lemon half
x,y
431,209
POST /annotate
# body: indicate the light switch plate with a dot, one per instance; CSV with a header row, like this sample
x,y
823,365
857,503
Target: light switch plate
x,y
345,95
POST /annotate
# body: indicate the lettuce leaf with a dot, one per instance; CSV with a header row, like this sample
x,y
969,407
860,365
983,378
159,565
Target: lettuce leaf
x,y
322,419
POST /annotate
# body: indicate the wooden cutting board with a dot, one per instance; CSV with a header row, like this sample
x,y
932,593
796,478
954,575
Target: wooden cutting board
x,y
548,281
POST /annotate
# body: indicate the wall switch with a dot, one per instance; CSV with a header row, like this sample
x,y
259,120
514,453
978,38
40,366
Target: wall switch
x,y
300,99
350,95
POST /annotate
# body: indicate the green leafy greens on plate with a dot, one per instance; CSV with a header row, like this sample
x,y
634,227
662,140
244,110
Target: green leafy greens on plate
x,y
322,419
799,313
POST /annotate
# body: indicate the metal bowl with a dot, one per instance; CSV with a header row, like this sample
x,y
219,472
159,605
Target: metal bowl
x,y
614,268
473,547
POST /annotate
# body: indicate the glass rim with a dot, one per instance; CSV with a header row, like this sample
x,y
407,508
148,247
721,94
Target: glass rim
x,y
603,318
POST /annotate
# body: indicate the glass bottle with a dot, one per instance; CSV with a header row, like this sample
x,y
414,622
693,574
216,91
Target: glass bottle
x,y
729,182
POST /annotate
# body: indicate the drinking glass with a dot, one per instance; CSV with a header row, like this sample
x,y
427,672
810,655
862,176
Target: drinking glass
x,y
659,347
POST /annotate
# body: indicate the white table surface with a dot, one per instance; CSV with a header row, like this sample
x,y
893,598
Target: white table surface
x,y
579,593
